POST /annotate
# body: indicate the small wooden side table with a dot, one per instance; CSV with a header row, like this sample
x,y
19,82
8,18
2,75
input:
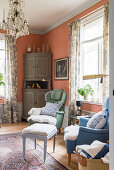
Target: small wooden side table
x,y
75,118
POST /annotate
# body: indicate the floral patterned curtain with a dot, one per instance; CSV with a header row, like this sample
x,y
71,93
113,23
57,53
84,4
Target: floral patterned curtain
x,y
74,64
10,101
106,53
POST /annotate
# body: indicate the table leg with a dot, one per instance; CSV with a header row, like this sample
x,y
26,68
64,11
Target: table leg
x,y
35,141
54,140
45,149
24,145
73,121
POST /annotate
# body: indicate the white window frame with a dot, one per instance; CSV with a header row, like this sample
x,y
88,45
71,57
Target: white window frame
x,y
85,21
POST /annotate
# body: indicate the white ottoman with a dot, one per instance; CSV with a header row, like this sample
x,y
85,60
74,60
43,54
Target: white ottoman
x,y
42,132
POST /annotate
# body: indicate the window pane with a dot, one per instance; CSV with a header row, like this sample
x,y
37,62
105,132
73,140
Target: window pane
x,y
97,87
2,64
91,58
91,53
2,61
2,44
93,29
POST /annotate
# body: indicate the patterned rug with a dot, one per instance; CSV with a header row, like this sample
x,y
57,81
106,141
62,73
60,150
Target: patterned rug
x,y
11,155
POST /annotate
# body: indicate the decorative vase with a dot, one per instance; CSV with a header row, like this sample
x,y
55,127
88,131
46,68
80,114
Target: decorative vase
x,y
85,97
43,48
47,48
29,49
34,49
38,50
79,104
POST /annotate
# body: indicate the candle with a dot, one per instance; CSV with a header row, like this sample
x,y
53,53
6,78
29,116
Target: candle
x,y
3,14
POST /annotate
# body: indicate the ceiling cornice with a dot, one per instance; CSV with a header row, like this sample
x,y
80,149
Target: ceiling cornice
x,y
35,32
67,17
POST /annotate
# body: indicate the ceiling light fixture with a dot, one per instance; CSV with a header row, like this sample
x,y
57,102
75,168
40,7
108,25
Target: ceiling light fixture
x,y
16,24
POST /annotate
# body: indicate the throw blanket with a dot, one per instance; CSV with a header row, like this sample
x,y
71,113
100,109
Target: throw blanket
x,y
71,132
96,150
106,158
35,111
43,119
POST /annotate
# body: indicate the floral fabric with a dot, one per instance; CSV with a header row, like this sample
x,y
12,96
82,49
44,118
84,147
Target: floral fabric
x,y
106,53
10,101
74,64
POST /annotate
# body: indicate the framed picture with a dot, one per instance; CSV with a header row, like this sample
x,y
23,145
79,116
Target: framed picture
x,y
61,69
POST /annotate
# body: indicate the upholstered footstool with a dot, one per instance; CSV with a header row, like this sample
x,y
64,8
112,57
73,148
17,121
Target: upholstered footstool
x,y
39,131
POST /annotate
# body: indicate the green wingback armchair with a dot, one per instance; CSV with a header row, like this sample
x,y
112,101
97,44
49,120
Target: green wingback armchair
x,y
58,96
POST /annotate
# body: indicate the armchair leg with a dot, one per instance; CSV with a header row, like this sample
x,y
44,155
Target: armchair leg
x,y
69,158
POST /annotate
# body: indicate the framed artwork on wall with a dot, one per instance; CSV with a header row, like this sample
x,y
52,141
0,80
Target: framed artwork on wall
x,y
61,69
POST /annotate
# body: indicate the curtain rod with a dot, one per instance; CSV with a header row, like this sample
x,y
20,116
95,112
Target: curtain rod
x,y
87,14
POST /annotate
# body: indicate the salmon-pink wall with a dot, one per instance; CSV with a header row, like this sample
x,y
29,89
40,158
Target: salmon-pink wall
x,y
22,45
91,107
58,40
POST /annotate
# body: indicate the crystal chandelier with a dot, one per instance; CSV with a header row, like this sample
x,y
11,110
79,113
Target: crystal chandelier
x,y
16,24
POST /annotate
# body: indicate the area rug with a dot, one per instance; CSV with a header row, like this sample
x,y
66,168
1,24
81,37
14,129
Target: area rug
x,y
11,155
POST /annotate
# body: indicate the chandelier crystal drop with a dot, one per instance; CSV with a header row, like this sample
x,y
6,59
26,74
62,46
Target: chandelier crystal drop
x,y
16,24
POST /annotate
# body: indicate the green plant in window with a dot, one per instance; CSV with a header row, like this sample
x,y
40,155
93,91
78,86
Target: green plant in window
x,y
1,80
89,89
81,91
86,91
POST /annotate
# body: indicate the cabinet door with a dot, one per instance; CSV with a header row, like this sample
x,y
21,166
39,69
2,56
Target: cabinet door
x,y
29,67
28,102
40,98
43,67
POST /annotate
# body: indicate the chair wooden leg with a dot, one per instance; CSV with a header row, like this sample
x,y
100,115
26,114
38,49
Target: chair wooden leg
x,y
59,130
69,158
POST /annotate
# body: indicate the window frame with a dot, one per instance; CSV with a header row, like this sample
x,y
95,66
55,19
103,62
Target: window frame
x,y
85,21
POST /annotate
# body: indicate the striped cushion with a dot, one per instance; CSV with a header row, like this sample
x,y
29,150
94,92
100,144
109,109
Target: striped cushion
x,y
97,121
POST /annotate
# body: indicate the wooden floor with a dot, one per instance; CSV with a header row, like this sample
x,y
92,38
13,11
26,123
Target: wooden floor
x,y
60,150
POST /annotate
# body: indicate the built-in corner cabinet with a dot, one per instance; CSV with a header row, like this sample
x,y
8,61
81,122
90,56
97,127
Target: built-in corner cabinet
x,y
37,80
37,65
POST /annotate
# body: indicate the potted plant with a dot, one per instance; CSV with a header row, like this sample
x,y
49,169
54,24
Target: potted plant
x,y
1,80
86,91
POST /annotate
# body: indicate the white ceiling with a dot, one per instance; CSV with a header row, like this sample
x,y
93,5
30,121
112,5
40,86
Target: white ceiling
x,y
44,15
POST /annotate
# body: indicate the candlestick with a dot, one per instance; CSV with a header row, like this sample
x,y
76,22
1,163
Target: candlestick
x,y
3,14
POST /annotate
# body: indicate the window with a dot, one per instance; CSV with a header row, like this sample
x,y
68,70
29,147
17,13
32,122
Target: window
x,y
2,63
91,51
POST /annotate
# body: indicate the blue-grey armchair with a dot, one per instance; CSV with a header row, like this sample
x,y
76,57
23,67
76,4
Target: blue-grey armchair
x,y
88,135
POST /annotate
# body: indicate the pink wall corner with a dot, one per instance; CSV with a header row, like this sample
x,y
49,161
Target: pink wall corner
x,y
22,45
